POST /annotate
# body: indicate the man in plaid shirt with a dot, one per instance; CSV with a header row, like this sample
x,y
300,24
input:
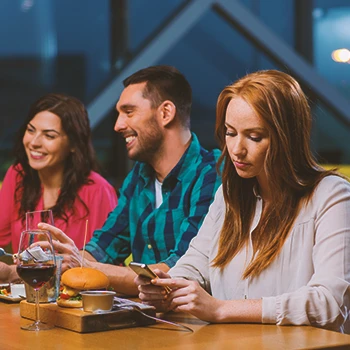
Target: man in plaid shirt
x,y
165,197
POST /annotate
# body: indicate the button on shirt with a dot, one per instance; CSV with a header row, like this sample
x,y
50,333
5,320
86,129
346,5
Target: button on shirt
x,y
161,234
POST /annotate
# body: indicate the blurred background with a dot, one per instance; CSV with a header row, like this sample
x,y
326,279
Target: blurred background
x,y
87,47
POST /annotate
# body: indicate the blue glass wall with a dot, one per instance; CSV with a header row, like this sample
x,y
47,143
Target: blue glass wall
x,y
70,46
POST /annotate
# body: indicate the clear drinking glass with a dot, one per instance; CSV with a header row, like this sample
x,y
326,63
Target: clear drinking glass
x,y
34,217
36,265
32,220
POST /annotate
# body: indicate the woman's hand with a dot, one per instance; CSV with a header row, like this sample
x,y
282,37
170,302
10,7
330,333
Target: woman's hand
x,y
5,272
8,273
151,294
186,296
64,246
189,296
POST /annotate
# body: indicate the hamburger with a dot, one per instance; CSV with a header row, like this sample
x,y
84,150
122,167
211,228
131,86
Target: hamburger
x,y
76,280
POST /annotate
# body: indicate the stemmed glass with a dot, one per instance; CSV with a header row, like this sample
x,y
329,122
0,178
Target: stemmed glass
x,y
32,220
36,265
34,217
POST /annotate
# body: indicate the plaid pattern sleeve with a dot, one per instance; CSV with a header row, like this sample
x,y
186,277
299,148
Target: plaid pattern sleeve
x,y
161,234
111,244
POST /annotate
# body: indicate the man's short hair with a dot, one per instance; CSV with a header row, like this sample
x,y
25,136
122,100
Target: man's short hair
x,y
165,83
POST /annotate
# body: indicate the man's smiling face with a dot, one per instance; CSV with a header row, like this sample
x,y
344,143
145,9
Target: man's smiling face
x,y
138,124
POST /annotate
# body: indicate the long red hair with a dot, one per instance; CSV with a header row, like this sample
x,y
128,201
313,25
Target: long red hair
x,y
290,167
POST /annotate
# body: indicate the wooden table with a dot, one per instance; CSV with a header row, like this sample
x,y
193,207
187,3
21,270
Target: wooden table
x,y
205,336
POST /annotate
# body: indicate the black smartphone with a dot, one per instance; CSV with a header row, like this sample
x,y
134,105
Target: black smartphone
x,y
145,271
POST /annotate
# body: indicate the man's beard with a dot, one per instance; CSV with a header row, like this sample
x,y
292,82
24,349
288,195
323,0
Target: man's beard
x,y
149,143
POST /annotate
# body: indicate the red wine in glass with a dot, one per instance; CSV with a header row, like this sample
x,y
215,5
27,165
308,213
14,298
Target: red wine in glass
x,y
36,265
36,275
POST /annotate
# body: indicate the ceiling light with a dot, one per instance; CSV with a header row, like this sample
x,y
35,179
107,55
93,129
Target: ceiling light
x,y
341,55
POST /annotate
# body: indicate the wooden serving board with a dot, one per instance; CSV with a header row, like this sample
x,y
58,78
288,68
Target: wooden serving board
x,y
80,321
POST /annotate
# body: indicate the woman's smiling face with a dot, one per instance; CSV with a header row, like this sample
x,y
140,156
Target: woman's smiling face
x,y
46,144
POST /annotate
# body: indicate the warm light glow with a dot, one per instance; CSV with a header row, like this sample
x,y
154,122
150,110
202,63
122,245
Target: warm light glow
x,y
341,55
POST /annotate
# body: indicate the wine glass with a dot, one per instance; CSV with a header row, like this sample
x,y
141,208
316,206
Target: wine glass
x,y
34,217
32,220
36,265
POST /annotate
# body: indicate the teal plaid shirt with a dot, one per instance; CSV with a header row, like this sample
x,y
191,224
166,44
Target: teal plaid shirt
x,y
161,234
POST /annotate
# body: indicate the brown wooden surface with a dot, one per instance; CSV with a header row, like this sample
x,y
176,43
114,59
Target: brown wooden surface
x,y
205,336
85,322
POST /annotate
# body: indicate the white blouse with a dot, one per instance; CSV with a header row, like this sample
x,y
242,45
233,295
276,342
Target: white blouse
x,y
309,281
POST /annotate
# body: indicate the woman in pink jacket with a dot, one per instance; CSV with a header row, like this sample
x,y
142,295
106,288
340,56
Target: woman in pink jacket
x,y
55,168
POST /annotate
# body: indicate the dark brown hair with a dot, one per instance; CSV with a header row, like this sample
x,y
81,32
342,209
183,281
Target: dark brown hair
x,y
78,165
165,83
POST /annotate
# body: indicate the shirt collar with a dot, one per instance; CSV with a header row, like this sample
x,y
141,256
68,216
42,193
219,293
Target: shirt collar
x,y
177,173
256,191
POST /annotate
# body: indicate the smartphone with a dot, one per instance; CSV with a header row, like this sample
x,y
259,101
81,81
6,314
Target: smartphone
x,y
145,271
